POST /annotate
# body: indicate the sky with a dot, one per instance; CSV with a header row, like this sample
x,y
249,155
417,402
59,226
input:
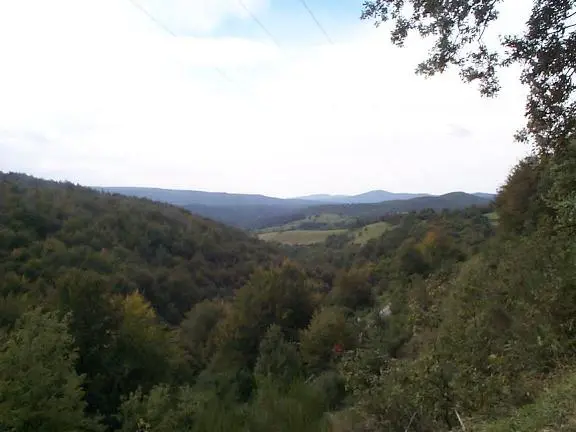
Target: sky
x,y
201,97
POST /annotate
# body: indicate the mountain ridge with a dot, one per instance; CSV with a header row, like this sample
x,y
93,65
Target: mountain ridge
x,y
193,197
373,196
253,211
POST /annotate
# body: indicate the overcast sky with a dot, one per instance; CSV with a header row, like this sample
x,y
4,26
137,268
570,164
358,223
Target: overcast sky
x,y
95,92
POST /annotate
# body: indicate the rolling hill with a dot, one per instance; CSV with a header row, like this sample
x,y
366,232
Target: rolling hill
x,y
451,201
251,211
370,197
202,198
171,256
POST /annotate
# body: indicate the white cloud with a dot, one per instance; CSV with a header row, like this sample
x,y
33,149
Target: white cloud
x,y
93,92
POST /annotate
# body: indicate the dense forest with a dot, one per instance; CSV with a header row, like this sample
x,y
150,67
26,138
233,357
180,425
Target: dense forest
x,y
129,308
122,314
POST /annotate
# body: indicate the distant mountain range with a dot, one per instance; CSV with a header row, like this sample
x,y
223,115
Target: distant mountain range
x,y
374,196
258,211
192,197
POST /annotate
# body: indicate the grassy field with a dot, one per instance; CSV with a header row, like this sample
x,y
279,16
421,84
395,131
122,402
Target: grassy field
x,y
371,231
290,234
323,218
299,237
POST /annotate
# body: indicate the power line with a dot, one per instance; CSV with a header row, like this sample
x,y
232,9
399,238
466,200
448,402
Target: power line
x,y
257,21
171,33
322,29
152,18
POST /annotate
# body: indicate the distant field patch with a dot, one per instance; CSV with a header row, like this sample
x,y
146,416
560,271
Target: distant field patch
x,y
327,218
299,237
371,231
330,221
493,217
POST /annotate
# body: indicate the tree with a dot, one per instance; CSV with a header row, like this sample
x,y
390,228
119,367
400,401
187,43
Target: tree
x,y
39,388
352,289
327,337
196,331
146,349
281,296
278,360
163,409
94,322
545,52
518,201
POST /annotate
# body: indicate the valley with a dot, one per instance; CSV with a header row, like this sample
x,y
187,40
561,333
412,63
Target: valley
x,y
258,212
189,309
142,309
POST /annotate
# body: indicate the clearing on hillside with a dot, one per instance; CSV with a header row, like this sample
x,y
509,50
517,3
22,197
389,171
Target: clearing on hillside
x,y
318,222
371,231
299,237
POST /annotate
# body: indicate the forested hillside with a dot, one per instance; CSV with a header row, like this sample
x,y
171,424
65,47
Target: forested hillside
x,y
443,319
142,314
58,233
120,314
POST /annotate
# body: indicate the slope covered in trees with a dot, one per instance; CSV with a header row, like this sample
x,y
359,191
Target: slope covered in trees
x,y
54,232
140,316
443,323
441,320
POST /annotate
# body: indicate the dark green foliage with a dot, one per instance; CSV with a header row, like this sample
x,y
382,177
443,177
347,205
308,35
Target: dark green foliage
x,y
278,360
281,296
197,330
173,258
488,323
519,202
436,316
301,408
161,410
439,319
39,388
553,410
352,289
328,336
560,189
